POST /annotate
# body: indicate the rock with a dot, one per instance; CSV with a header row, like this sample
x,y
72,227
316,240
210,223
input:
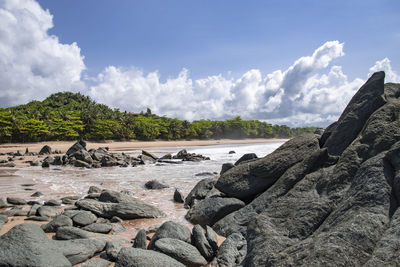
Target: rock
x,y
81,163
115,197
149,154
15,212
225,167
171,230
212,238
178,196
94,189
3,204
96,262
181,251
153,228
68,200
201,174
82,155
27,245
84,218
366,101
8,165
154,184
208,211
201,243
45,150
146,160
199,191
45,164
167,156
38,219
246,157
185,156
56,223
77,251
52,202
34,163
246,180
70,213
136,257
112,249
75,147
69,232
47,211
232,152
140,239
33,202
232,251
37,194
101,228
116,219
16,201
3,219
134,209
117,228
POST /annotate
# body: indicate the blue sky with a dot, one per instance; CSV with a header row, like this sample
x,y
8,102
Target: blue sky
x,y
291,62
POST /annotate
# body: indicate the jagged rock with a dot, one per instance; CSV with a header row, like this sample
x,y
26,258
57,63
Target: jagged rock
x,y
232,251
181,251
45,150
154,184
101,228
83,218
201,243
56,223
134,209
27,245
246,180
199,191
136,257
76,147
171,230
366,101
246,157
210,210
140,239
178,196
16,201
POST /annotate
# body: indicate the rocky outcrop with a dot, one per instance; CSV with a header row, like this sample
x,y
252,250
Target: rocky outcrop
x,y
319,200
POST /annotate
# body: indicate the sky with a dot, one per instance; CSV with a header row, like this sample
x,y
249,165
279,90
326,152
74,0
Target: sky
x,y
285,62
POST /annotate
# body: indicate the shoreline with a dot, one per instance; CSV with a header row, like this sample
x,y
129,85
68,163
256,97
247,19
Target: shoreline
x,y
130,145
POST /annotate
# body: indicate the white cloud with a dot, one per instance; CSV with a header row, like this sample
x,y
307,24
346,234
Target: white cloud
x,y
384,64
34,64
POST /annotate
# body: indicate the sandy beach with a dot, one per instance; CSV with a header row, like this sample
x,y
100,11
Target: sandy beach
x,y
128,145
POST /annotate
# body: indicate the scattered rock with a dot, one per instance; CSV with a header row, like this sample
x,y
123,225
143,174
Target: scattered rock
x,y
45,150
149,154
140,239
112,249
232,152
3,204
37,194
47,211
83,218
199,191
52,202
56,223
181,251
94,189
167,156
38,219
201,174
77,251
246,157
96,262
16,201
136,257
178,196
154,184
101,228
171,230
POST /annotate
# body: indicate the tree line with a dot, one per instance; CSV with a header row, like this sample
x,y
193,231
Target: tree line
x,y
67,116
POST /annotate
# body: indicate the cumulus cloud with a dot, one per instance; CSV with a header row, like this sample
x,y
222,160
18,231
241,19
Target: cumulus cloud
x,y
34,64
299,95
384,64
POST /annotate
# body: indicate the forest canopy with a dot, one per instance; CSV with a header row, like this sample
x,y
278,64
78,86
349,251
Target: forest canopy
x,y
67,116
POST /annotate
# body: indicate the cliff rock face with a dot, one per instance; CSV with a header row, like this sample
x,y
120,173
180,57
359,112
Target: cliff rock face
x,y
325,200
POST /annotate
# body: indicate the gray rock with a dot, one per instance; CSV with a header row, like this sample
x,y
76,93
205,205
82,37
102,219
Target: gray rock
x,y
101,228
82,155
366,101
140,239
15,211
210,210
56,223
171,230
45,150
147,160
94,189
201,243
245,158
178,196
116,197
69,232
84,218
181,251
134,209
212,238
117,228
52,202
75,147
3,204
199,191
112,249
48,211
16,201
27,245
154,184
38,219
37,194
167,156
70,213
225,167
149,154
3,219
232,251
246,180
80,163
77,251
136,257
96,262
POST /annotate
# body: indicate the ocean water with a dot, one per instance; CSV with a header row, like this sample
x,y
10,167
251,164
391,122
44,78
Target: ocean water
x,y
57,181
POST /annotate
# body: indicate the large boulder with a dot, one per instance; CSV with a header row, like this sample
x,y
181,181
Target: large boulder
x,y
199,191
27,245
210,210
365,102
135,209
181,251
246,180
136,257
171,230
